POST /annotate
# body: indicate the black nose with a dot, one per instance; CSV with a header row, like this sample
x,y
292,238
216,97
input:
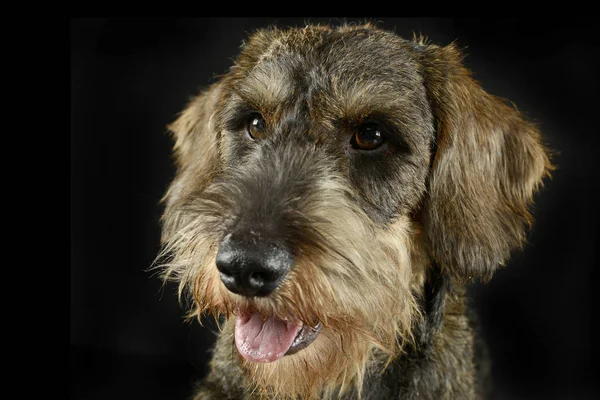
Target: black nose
x,y
252,267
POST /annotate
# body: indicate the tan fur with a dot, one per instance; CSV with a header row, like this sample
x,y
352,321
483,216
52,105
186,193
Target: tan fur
x,y
465,209
357,323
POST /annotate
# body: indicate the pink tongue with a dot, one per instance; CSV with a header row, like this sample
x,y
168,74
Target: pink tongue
x,y
263,341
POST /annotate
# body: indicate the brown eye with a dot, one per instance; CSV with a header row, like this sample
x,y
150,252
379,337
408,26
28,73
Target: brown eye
x,y
256,127
368,137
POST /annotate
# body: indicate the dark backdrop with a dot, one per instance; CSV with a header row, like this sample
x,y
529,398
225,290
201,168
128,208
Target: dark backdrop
x,y
129,78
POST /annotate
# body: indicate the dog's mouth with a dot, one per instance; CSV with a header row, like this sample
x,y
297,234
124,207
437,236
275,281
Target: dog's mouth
x,y
266,339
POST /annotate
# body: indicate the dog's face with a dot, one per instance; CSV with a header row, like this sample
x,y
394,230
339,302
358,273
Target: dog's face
x,y
318,178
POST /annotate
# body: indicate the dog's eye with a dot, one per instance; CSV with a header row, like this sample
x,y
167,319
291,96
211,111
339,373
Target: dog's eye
x,y
256,127
368,137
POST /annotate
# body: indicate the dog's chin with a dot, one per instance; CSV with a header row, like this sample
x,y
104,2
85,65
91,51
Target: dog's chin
x,y
265,339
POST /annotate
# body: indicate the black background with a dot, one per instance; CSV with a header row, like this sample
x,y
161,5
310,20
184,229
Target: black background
x,y
129,79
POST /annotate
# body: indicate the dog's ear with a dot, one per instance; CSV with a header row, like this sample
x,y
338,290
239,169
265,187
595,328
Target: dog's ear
x,y
196,151
487,164
194,132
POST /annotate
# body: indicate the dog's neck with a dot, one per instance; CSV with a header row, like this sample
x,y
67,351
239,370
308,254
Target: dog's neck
x,y
444,342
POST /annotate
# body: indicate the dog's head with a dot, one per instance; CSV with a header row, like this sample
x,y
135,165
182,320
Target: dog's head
x,y
313,172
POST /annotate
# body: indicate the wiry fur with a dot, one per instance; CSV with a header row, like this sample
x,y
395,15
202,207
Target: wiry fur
x,y
382,242
326,285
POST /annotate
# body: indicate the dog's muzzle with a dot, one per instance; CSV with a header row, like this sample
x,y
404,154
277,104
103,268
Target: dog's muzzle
x,y
252,266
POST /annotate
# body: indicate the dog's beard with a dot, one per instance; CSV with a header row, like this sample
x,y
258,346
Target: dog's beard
x,y
327,287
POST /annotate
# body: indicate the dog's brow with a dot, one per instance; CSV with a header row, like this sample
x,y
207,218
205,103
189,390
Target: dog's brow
x,y
266,86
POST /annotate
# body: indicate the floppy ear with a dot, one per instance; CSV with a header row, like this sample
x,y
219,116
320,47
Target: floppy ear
x,y
194,129
196,151
487,165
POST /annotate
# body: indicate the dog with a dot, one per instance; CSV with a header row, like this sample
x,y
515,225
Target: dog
x,y
336,191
